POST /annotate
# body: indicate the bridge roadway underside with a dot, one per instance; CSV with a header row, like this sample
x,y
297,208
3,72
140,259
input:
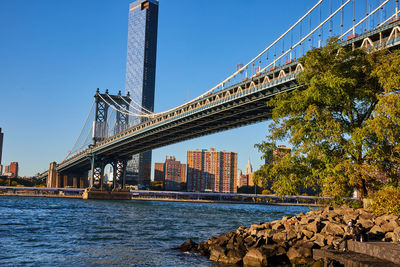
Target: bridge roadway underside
x,y
234,111
237,112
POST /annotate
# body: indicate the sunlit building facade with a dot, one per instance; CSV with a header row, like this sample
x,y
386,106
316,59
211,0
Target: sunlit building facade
x,y
140,75
212,171
172,173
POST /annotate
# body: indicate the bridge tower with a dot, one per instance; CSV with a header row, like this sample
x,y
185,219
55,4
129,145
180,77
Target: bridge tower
x,y
100,132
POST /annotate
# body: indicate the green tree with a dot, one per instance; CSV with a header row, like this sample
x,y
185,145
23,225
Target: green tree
x,y
385,122
327,121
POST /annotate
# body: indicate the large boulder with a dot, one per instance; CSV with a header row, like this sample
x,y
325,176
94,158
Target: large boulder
x,y
255,258
217,253
319,239
314,226
278,226
333,229
233,256
389,226
189,245
300,253
279,237
308,234
365,223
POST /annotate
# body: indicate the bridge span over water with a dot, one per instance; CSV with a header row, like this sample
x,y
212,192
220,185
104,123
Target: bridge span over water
x,y
224,107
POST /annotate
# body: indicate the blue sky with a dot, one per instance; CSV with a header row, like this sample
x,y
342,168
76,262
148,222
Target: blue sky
x,y
54,54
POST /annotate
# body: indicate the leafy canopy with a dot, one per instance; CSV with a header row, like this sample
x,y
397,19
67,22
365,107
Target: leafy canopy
x,y
337,122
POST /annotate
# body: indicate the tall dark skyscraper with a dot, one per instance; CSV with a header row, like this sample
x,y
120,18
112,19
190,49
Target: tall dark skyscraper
x,y
141,73
1,145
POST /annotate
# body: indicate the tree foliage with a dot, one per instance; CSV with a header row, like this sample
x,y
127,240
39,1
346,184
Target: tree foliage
x,y
343,123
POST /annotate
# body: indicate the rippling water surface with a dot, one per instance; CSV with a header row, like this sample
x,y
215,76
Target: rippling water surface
x,y
61,232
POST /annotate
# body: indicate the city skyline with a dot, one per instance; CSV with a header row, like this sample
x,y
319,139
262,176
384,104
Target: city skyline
x,y
61,69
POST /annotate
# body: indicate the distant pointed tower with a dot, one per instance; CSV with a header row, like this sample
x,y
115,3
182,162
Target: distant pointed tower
x,y
249,168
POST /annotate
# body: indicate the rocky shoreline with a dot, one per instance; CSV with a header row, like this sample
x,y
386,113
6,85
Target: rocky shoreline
x,y
291,240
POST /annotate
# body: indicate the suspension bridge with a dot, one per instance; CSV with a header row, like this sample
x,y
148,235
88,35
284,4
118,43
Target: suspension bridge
x,y
117,127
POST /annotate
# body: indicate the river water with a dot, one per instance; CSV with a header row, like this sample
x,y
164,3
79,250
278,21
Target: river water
x,y
65,232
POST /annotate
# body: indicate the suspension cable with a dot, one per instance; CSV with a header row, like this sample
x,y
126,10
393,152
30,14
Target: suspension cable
x,y
137,109
310,33
145,109
361,21
250,62
83,127
126,110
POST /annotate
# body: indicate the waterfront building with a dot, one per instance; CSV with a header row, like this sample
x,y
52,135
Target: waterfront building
x,y
212,171
140,75
172,173
11,170
159,172
14,169
1,145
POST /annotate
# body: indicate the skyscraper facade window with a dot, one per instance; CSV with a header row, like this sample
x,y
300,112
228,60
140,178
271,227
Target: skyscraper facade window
x,y
140,75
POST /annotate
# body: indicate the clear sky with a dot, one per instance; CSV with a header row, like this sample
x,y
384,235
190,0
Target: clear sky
x,y
54,54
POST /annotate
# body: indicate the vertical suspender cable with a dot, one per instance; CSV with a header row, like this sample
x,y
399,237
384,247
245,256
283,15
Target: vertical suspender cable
x,y
291,45
354,16
83,127
330,22
366,14
341,18
397,9
300,34
320,29
309,39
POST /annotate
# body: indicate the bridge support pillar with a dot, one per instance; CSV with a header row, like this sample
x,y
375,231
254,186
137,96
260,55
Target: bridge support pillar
x,y
52,175
81,182
58,181
65,180
119,170
75,182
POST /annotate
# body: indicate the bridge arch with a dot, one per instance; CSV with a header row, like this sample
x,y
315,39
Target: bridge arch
x,y
281,74
394,33
252,85
299,67
266,80
367,43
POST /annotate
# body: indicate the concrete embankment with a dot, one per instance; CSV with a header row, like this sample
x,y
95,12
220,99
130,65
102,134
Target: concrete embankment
x,y
39,195
295,240
224,201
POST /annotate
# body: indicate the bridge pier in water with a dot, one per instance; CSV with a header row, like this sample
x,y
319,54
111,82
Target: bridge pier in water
x,y
98,190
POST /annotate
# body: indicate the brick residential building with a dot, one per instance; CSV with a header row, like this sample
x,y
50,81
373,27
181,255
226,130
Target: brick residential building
x,y
212,170
172,173
11,170
158,172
